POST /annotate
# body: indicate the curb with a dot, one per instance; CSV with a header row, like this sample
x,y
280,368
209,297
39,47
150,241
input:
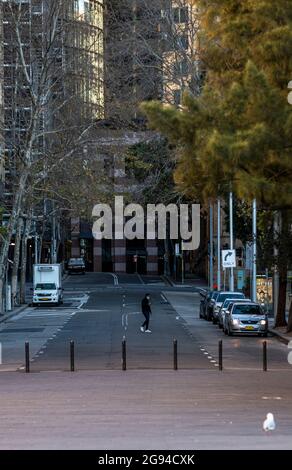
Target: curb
x,y
280,335
168,280
13,313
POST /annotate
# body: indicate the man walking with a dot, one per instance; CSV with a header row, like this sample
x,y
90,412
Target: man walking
x,y
146,310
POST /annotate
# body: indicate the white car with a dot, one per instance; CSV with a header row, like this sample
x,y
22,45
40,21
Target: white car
x,y
219,301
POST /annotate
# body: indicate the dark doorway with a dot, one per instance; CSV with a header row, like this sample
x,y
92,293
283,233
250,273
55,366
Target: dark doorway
x,y
136,257
107,263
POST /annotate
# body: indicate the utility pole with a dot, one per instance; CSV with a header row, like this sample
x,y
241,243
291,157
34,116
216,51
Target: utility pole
x,y
219,244
211,267
231,287
182,263
254,250
276,272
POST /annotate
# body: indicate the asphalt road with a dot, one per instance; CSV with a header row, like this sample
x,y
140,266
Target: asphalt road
x,y
149,406
100,310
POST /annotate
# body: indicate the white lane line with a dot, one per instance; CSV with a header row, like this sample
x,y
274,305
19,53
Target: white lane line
x,y
140,279
83,302
116,279
164,298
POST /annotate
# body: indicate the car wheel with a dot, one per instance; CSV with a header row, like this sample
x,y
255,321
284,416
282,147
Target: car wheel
x,y
230,333
264,335
220,326
214,321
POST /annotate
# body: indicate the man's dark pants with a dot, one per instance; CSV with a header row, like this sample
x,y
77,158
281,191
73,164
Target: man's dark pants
x,y
146,322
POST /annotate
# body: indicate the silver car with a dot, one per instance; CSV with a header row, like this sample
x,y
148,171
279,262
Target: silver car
x,y
246,318
219,301
227,304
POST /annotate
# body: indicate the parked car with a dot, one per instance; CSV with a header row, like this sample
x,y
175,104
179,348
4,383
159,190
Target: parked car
x,y
203,303
219,301
209,304
76,265
227,304
246,318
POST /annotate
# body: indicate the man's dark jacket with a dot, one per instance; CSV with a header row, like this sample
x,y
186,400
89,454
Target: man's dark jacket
x,y
146,309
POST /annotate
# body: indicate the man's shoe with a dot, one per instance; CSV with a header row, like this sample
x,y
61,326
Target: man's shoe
x,y
148,331
142,329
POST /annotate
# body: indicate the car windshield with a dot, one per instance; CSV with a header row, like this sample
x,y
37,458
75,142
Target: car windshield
x,y
247,310
76,261
224,296
45,286
226,303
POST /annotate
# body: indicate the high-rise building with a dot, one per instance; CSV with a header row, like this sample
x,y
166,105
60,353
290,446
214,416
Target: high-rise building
x,y
2,168
149,54
71,66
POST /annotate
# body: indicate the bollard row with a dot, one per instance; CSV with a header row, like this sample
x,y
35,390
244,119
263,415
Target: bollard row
x,y
124,356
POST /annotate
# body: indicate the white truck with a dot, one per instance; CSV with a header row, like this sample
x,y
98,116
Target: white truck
x,y
47,284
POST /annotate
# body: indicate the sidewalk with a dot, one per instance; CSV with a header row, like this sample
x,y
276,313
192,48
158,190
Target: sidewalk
x,y
281,333
192,282
12,313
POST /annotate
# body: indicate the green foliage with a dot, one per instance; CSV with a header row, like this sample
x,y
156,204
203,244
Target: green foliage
x,y
151,165
239,130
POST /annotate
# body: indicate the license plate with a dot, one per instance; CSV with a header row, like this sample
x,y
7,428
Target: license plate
x,y
249,327
44,299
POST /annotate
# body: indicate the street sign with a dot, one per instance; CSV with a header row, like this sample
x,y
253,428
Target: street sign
x,y
228,258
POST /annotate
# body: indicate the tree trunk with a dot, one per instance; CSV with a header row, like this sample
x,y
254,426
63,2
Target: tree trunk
x,y
283,270
16,259
24,260
4,247
281,311
1,297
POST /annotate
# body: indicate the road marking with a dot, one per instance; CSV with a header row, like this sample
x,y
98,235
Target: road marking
x,y
116,279
140,279
271,398
83,302
164,298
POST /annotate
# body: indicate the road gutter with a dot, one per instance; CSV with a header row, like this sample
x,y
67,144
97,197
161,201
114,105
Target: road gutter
x,y
13,313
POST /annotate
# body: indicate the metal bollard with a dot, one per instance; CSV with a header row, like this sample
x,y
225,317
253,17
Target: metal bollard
x,y
175,354
72,356
124,354
265,357
220,354
27,368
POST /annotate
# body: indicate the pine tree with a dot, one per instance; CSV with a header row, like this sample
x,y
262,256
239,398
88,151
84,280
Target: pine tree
x,y
238,133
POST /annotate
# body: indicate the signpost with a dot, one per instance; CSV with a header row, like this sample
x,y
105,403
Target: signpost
x,y
228,259
228,262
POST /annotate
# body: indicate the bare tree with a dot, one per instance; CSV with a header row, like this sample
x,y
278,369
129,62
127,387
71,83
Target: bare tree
x,y
50,108
152,52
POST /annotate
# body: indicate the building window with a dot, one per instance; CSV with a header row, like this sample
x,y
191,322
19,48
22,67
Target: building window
x,y
183,41
177,97
181,68
180,15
